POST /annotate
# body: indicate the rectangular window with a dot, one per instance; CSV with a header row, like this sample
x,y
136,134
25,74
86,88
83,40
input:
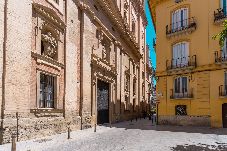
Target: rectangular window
x,y
179,19
47,84
181,85
181,110
180,54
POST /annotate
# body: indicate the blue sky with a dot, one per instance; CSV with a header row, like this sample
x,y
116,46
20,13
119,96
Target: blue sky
x,y
150,34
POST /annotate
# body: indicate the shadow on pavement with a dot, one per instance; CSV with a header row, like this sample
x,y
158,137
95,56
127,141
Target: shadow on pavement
x,y
145,124
200,147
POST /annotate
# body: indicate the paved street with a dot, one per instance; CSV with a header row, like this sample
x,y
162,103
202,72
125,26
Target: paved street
x,y
135,136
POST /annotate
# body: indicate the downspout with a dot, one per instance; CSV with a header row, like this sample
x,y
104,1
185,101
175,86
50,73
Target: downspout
x,y
81,63
65,34
4,68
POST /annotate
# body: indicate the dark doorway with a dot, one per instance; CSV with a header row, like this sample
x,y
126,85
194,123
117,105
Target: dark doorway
x,y
224,115
102,102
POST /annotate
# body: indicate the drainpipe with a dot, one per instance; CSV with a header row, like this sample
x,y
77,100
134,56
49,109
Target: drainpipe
x,y
65,34
81,62
4,67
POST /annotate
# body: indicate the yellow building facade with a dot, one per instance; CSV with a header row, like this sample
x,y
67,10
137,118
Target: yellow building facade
x,y
191,65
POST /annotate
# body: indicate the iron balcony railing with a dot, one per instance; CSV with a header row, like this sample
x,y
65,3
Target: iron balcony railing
x,y
219,15
220,56
186,24
184,62
183,95
223,90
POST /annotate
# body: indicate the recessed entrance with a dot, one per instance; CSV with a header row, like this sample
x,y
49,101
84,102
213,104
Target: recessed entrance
x,y
224,115
102,102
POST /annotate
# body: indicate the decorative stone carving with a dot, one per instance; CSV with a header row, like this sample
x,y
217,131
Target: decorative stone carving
x,y
106,43
50,15
50,44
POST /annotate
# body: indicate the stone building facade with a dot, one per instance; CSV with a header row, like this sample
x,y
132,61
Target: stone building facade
x,y
70,63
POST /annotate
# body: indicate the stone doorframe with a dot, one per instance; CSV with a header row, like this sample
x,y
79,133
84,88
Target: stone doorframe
x,y
100,71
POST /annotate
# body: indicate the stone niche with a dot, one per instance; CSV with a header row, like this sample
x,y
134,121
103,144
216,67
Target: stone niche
x,y
49,44
49,33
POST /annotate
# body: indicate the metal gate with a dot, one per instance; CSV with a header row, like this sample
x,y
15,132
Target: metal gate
x,y
102,102
224,115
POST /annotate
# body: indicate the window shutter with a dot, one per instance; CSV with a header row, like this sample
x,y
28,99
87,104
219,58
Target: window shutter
x,y
174,55
173,20
224,49
175,85
184,85
225,80
224,6
182,18
178,19
186,49
185,17
221,3
179,54
182,46
178,85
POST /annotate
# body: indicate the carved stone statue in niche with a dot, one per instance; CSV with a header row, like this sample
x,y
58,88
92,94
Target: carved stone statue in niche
x,y
50,44
106,48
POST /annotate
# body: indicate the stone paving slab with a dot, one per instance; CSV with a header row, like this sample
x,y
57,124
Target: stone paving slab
x,y
131,136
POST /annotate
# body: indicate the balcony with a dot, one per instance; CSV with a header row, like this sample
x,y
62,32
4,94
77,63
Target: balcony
x,y
181,63
223,91
185,26
183,95
219,16
220,57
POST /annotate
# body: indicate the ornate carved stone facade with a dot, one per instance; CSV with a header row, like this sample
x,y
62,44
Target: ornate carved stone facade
x,y
55,53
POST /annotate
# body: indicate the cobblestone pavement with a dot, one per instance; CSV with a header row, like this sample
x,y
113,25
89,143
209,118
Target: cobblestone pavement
x,y
131,136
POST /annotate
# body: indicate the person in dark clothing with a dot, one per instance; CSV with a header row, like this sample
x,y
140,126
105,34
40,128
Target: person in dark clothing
x,y
144,114
152,118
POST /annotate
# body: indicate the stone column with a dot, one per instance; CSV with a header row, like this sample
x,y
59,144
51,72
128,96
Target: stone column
x,y
131,84
118,82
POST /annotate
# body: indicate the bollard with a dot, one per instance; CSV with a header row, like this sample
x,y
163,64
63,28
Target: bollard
x,y
69,133
110,125
95,128
136,119
131,120
13,143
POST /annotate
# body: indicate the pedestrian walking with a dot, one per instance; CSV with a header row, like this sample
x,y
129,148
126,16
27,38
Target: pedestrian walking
x,y
152,118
